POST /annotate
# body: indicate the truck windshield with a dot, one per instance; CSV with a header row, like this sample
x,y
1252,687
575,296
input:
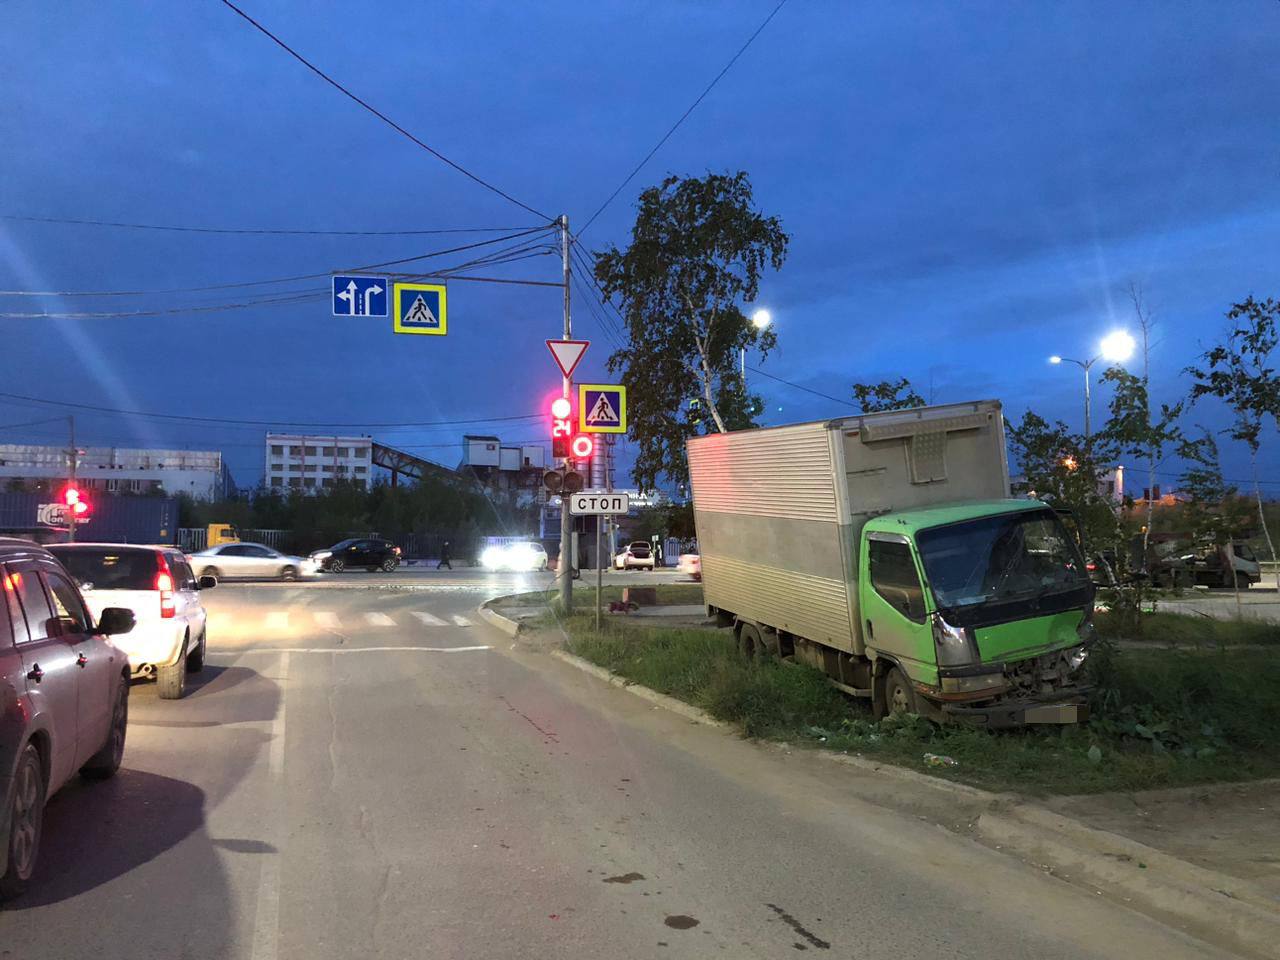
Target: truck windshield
x,y
1015,557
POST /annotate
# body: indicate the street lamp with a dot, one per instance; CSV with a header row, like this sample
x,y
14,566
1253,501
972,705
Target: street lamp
x,y
760,319
1116,347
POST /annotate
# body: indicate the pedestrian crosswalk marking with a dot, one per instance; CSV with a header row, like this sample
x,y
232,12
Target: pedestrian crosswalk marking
x,y
461,621
428,620
326,618
379,619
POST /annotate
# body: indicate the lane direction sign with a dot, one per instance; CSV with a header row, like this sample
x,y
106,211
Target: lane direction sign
x,y
602,408
420,308
567,353
359,296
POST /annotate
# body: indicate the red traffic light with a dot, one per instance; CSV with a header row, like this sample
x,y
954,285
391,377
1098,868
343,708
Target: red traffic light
x,y
582,447
75,501
561,408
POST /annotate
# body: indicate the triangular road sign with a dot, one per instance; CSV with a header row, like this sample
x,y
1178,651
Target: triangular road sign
x,y
603,412
567,353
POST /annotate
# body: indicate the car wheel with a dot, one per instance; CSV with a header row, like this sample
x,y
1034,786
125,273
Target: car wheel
x,y
195,659
899,694
26,819
336,566
289,573
172,680
106,761
388,565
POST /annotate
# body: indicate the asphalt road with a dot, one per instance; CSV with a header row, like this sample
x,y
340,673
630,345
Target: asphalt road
x,y
376,773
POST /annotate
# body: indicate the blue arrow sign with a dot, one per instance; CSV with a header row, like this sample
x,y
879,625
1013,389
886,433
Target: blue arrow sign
x,y
359,296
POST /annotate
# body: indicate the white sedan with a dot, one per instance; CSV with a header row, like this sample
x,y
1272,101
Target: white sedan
x,y
637,555
250,561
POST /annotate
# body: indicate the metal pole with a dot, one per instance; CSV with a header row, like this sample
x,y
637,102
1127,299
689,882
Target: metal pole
x,y
599,570
564,569
1087,402
71,481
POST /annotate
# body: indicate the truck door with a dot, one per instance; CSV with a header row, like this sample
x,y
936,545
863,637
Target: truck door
x,y
893,609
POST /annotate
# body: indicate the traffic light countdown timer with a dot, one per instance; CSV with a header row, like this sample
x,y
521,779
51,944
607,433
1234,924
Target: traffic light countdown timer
x,y
573,448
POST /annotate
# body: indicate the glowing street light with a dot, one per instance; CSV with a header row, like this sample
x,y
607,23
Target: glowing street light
x,y
760,319
1116,347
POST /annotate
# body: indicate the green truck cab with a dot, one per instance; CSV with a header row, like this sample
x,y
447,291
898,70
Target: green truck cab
x,y
885,551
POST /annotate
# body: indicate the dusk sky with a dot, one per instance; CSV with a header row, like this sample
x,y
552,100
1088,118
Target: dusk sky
x,y
970,187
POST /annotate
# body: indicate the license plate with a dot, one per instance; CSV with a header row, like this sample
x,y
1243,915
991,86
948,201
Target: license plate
x,y
1056,713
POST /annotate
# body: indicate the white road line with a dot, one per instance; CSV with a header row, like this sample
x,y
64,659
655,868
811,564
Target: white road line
x,y
266,923
326,619
376,619
461,621
337,650
277,620
429,620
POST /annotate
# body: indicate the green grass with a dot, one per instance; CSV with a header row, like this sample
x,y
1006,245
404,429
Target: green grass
x,y
1161,718
1190,630
584,594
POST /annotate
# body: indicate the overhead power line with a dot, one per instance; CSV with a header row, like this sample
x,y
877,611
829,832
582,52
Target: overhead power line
x,y
184,418
254,231
379,114
816,393
31,423
684,116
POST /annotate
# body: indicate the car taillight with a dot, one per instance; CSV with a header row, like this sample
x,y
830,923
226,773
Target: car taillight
x,y
397,550
164,583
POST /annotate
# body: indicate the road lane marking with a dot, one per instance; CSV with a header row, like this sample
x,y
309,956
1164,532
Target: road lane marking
x,y
376,619
429,620
461,621
266,922
260,650
278,620
326,619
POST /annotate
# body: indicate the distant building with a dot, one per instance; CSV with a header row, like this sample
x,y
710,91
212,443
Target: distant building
x,y
201,474
312,462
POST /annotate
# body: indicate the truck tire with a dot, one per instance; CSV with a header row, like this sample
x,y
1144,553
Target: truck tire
x,y
750,643
899,694
171,681
26,822
106,761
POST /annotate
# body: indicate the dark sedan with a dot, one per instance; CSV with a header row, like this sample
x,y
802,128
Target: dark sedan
x,y
64,697
368,552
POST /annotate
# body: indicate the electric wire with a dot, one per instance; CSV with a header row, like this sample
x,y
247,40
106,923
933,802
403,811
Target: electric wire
x,y
253,231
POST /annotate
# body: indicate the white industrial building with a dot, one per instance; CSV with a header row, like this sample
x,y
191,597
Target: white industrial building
x,y
309,462
201,474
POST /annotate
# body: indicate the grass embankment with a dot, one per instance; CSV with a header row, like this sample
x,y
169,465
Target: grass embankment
x,y
1160,717
584,594
1191,630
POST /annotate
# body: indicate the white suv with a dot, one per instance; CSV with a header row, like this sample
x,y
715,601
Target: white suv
x,y
157,584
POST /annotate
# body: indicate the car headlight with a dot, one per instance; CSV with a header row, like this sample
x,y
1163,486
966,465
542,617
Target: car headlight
x,y
322,555
954,645
491,557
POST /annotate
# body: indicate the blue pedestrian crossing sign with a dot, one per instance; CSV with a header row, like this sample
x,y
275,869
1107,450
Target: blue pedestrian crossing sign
x,y
602,408
420,308
359,296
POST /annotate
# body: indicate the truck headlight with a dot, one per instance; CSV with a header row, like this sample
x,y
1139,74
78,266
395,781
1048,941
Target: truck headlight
x,y
954,645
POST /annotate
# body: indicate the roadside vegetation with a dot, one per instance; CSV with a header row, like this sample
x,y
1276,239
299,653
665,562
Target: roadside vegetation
x,y
584,595
1192,630
1161,717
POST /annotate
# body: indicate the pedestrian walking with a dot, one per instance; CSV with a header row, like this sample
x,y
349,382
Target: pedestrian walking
x,y
444,557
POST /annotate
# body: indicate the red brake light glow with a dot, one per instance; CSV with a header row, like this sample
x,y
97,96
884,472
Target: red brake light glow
x,y
164,583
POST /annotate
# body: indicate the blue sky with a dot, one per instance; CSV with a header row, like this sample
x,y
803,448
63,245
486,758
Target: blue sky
x,y
970,187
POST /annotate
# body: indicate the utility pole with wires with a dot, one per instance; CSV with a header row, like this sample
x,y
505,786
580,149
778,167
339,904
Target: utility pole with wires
x,y
564,569
73,455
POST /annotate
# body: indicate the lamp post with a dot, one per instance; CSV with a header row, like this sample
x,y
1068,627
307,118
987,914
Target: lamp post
x,y
1116,347
761,319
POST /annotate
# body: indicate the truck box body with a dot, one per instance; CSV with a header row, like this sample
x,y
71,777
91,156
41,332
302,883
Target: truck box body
x,y
779,510
113,519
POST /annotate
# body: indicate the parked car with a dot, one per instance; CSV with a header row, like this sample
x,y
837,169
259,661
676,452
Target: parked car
x,y
249,561
690,564
523,555
65,694
170,637
372,554
638,555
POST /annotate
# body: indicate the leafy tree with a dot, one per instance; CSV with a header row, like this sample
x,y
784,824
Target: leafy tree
x,y
1239,371
1214,513
1132,427
698,249
886,395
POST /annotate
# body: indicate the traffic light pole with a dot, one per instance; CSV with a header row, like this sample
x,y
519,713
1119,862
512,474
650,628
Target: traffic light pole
x,y
564,569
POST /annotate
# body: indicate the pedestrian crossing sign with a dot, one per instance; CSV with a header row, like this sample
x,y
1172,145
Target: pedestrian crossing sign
x,y
420,308
602,408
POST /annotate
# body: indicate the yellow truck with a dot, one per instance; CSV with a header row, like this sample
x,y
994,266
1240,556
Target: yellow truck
x,y
221,533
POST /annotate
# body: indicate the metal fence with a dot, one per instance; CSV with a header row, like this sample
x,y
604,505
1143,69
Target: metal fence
x,y
194,539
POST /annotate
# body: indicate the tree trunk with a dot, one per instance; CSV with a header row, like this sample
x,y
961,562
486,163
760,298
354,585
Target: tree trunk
x,y
705,377
1151,493
1262,517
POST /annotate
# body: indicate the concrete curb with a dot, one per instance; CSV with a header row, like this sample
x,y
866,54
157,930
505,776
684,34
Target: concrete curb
x,y
510,627
1176,891
644,693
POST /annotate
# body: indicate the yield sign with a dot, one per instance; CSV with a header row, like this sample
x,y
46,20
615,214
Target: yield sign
x,y
567,353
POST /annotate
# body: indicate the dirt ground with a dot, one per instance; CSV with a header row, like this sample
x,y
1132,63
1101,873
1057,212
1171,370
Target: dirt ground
x,y
1231,828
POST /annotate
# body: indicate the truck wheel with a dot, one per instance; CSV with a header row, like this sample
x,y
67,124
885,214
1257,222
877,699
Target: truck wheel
x,y
171,681
26,819
899,694
106,761
750,643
